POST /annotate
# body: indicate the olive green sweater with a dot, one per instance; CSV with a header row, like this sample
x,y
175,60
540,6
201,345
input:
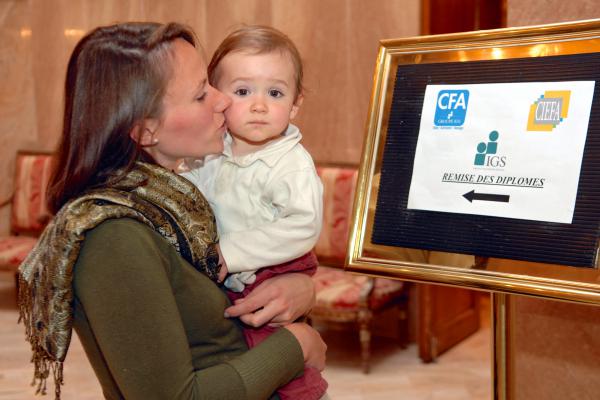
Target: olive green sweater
x,y
153,327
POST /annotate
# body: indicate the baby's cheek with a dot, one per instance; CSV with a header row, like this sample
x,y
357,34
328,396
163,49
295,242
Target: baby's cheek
x,y
233,113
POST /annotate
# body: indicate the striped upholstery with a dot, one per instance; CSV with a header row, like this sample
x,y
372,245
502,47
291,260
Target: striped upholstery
x,y
338,193
337,289
28,208
341,291
13,250
29,211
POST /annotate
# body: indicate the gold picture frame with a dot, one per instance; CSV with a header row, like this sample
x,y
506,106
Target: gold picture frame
x,y
503,275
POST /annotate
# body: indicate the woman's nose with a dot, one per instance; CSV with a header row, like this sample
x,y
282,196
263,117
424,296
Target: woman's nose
x,y
222,103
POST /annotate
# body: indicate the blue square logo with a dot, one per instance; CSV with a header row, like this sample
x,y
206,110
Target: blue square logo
x,y
451,107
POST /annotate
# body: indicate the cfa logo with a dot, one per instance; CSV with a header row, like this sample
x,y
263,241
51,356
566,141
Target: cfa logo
x,y
549,110
451,107
486,153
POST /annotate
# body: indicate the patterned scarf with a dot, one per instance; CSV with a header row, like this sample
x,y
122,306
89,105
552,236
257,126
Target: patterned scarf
x,y
164,201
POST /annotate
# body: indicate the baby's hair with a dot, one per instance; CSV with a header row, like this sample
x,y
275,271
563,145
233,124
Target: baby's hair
x,y
257,39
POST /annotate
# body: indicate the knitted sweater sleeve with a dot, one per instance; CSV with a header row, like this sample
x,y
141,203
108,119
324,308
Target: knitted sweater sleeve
x,y
134,330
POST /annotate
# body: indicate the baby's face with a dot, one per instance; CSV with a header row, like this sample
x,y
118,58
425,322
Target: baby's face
x,y
262,88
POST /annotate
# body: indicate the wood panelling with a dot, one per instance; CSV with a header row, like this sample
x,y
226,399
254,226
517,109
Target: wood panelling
x,y
447,16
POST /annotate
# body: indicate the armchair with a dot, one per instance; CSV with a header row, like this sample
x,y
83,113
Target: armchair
x,y
28,214
344,298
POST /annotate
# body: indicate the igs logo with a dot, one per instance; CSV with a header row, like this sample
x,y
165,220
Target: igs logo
x,y
549,110
451,107
487,153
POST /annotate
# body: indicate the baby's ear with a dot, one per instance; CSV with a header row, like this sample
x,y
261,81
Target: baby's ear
x,y
296,106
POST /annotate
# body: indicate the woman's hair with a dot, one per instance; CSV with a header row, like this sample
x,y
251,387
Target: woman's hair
x,y
116,78
257,39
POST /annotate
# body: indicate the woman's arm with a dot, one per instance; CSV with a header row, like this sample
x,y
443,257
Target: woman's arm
x,y
123,282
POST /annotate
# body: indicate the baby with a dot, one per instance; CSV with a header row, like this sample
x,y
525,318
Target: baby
x,y
264,189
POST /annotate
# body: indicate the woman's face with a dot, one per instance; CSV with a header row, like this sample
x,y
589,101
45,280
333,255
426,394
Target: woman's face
x,y
193,123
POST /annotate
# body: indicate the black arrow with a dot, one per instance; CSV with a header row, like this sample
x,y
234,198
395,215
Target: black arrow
x,y
503,198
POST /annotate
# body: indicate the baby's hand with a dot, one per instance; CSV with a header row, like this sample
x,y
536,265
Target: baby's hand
x,y
223,266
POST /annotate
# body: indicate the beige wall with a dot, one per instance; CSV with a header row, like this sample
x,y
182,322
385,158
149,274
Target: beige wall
x,y
536,12
337,38
555,350
555,346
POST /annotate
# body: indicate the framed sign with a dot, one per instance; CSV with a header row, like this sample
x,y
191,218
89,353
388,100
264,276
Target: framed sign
x,y
481,164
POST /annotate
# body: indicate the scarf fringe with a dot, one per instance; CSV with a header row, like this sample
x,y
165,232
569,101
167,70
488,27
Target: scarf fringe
x,y
42,362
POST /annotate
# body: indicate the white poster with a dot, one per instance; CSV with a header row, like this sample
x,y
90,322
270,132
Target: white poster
x,y
508,150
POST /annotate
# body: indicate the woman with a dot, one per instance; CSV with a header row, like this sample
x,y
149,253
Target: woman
x,y
131,257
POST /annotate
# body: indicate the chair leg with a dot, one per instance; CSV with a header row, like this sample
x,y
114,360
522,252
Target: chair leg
x,y
364,321
402,325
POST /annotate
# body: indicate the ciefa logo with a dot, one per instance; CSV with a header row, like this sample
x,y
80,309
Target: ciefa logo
x,y
549,110
451,107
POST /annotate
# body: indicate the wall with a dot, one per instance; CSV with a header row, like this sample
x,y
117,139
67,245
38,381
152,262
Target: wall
x,y
555,345
555,350
337,38
536,12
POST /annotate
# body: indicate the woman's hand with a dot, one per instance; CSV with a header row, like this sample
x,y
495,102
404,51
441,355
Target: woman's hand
x,y
313,346
278,301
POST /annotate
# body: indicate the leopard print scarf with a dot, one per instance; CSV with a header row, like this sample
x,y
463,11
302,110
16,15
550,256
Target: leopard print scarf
x,y
166,202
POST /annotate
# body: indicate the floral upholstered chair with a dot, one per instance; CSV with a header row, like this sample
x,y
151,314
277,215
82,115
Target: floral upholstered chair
x,y
343,297
28,214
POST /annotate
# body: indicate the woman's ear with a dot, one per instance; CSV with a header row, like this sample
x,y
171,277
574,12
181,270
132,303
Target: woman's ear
x,y
296,106
145,133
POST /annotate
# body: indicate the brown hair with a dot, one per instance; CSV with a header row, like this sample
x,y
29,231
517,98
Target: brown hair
x,y
116,78
257,39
